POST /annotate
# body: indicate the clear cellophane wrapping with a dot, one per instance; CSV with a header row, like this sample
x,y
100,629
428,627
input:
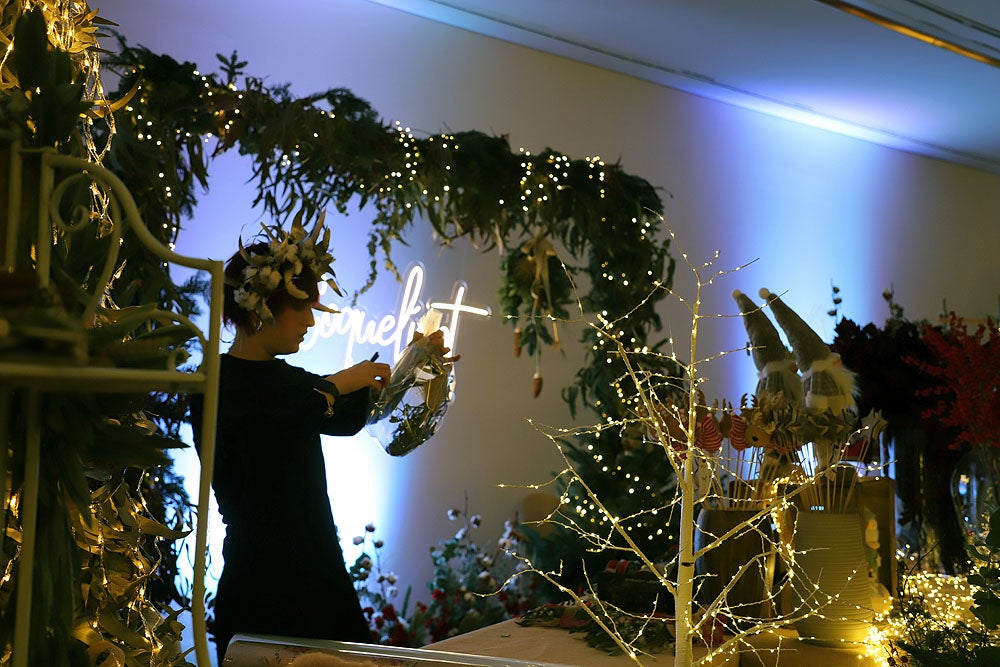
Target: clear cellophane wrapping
x,y
412,405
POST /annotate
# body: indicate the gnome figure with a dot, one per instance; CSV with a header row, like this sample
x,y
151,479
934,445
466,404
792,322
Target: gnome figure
x,y
826,384
776,370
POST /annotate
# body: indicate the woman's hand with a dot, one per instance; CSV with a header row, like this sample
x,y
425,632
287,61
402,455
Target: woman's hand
x,y
360,376
436,340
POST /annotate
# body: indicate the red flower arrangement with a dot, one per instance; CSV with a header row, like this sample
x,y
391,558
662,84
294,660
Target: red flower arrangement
x,y
966,367
472,587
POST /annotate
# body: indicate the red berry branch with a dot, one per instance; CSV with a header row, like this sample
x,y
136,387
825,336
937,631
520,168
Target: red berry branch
x,y
967,374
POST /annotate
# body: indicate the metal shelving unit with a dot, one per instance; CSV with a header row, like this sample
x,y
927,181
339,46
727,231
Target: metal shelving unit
x,y
57,173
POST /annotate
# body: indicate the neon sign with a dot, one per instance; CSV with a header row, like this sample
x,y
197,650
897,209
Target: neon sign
x,y
393,331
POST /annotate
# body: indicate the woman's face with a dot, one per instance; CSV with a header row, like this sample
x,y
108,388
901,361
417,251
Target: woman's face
x,y
288,331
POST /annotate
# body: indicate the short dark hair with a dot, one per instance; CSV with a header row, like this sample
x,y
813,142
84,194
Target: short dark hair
x,y
236,315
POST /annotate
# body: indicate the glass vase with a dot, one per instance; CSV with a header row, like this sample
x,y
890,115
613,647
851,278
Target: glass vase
x,y
975,491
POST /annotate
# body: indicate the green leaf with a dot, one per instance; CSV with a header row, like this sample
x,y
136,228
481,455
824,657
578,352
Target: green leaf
x,y
977,580
150,527
993,537
30,56
987,608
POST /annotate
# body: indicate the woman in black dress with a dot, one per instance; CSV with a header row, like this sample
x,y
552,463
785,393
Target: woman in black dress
x,y
284,571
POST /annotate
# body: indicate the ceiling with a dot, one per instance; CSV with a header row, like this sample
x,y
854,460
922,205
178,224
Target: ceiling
x,y
850,67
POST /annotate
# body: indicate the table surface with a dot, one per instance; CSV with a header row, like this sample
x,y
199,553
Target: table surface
x,y
554,645
506,644
543,644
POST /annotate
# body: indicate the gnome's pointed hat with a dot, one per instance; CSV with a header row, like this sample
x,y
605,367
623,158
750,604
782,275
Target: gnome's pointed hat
x,y
764,338
806,343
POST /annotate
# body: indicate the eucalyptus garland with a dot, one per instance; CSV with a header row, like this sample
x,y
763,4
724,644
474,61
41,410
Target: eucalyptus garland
x,y
331,148
574,233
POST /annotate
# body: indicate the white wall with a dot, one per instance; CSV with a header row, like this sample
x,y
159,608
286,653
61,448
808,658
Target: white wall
x,y
812,207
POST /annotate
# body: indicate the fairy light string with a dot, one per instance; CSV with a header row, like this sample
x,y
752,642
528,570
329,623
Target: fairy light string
x,y
117,537
613,339
73,28
677,428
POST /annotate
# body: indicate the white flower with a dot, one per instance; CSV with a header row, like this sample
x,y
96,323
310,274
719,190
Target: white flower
x,y
246,299
391,577
270,278
370,527
393,591
288,254
460,535
454,514
358,539
277,249
476,520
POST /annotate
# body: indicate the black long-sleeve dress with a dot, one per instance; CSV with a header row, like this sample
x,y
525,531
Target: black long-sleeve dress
x,y
284,571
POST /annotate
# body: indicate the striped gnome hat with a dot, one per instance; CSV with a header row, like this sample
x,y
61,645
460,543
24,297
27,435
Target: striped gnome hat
x,y
806,343
775,368
826,383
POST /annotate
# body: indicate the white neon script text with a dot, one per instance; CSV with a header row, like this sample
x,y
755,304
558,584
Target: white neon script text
x,y
393,331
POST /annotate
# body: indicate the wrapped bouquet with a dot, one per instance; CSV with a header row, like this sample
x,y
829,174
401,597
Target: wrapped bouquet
x,y
413,403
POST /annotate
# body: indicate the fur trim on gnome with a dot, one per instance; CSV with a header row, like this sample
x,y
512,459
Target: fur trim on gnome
x,y
826,384
776,370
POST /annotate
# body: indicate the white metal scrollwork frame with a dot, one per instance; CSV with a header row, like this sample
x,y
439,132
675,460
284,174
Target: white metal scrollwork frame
x,y
35,379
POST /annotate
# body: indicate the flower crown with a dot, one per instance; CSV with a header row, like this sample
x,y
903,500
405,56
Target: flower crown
x,y
287,255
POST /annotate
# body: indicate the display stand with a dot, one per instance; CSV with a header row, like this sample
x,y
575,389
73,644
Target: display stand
x,y
57,173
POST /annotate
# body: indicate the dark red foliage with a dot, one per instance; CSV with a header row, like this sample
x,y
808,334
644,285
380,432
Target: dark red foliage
x,y
966,367
399,636
884,362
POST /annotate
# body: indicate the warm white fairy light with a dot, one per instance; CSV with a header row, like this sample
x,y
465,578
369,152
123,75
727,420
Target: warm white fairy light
x,y
610,335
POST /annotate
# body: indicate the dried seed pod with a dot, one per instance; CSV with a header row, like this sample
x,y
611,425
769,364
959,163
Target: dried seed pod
x,y
517,341
536,384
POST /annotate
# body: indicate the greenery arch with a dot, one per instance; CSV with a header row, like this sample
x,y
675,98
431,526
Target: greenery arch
x,y
331,148
327,149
